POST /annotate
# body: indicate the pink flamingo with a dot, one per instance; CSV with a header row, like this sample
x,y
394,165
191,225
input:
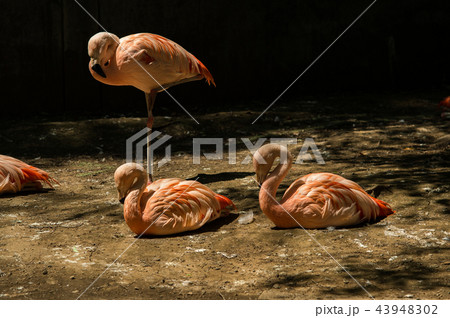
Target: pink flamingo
x,y
16,175
146,61
166,206
317,200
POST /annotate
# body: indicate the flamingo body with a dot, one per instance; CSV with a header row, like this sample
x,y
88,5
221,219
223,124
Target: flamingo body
x,y
144,60
16,175
166,206
317,200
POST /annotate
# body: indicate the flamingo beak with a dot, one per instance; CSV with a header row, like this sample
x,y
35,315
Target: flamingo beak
x,y
98,69
121,195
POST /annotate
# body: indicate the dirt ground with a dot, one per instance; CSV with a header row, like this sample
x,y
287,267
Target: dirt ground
x,y
56,244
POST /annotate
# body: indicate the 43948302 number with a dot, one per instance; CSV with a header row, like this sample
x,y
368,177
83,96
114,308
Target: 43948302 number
x,y
407,309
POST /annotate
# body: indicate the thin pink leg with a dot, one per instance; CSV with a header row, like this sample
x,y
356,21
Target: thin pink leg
x,y
150,99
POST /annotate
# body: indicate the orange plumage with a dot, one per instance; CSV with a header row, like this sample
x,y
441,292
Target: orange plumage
x,y
224,201
444,106
317,200
166,206
445,102
144,60
149,62
16,175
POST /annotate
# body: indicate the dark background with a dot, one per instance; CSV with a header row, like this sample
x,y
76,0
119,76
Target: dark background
x,y
254,49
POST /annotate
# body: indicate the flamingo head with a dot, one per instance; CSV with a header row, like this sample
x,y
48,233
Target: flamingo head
x,y
101,48
129,177
264,158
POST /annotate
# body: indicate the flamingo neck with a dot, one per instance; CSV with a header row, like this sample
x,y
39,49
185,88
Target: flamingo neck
x,y
268,193
132,208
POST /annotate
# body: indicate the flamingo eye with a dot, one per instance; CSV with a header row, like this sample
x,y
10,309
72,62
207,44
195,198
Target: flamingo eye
x,y
107,63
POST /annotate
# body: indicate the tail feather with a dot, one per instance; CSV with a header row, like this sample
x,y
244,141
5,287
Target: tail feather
x,y
32,174
16,175
385,208
205,72
224,201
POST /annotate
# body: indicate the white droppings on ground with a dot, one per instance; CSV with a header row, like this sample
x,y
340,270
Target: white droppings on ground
x,y
68,224
227,255
360,244
186,283
70,261
10,216
198,250
35,237
239,282
425,237
87,264
279,267
169,264
246,217
120,268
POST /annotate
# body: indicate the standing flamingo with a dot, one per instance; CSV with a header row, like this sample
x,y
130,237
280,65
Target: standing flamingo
x,y
146,61
166,206
317,200
16,175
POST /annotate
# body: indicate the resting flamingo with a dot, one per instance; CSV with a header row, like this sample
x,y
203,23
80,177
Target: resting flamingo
x,y
317,200
166,206
146,61
16,175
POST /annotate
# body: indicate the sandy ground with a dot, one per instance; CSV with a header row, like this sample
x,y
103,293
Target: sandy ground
x,y
56,244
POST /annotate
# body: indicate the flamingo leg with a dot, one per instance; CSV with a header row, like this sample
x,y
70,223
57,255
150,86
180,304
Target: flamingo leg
x,y
150,99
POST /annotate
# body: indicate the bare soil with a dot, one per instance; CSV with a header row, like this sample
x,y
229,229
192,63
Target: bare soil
x,y
56,244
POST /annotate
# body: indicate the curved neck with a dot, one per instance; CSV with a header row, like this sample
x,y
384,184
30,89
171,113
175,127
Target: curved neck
x,y
268,192
132,211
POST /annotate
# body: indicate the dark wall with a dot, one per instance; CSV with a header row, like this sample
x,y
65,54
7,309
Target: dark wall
x,y
254,50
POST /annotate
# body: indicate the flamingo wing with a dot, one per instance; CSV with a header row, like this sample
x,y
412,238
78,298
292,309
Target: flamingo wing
x,y
15,175
176,205
320,200
167,62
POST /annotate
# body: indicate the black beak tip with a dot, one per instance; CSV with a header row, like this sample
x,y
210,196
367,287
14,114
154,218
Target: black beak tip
x,y
122,200
98,69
